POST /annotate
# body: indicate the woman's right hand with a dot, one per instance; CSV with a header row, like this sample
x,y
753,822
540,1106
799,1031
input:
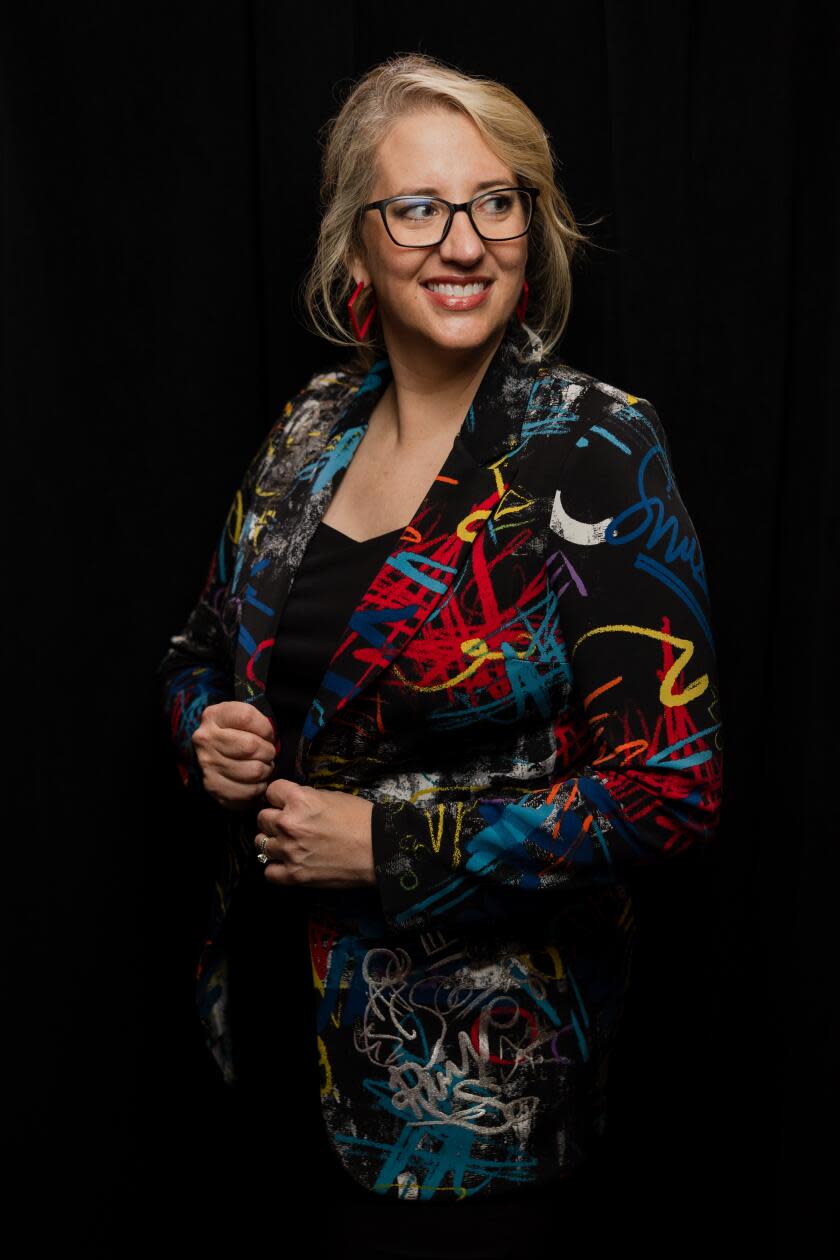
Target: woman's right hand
x,y
234,746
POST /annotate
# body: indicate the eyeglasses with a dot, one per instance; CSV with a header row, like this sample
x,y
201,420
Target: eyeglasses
x,y
417,222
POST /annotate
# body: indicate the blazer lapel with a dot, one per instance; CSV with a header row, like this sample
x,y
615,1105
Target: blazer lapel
x,y
424,565
289,504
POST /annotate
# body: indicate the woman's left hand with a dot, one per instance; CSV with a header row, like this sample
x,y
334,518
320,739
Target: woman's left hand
x,y
315,836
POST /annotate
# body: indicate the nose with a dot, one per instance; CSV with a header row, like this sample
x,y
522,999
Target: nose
x,y
462,240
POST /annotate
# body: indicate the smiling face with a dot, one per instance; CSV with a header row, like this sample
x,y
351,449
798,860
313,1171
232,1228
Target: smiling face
x,y
440,152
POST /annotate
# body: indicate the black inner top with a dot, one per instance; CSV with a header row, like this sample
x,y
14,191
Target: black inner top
x,y
333,575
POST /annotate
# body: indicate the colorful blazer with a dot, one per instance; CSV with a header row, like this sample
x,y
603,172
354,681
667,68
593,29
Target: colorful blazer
x,y
527,692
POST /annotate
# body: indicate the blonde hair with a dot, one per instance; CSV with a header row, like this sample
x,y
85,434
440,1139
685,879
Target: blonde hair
x,y
407,84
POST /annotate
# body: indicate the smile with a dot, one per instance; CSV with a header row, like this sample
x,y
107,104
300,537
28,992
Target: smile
x,y
458,297
458,290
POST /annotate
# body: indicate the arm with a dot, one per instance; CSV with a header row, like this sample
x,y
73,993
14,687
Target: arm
x,y
633,611
197,669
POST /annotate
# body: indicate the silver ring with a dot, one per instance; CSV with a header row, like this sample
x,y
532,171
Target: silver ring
x,y
262,856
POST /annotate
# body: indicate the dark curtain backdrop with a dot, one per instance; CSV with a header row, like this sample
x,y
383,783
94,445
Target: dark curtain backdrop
x,y
159,206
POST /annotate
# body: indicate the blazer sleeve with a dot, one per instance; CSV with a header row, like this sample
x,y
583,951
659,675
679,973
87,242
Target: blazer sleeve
x,y
197,668
635,617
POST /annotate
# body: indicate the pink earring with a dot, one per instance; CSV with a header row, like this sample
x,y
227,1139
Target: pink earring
x,y
522,304
360,332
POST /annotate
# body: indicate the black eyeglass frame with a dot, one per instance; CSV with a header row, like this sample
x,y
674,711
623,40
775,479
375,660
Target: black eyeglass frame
x,y
454,207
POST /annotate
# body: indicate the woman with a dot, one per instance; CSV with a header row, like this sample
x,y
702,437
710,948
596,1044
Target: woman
x,y
452,677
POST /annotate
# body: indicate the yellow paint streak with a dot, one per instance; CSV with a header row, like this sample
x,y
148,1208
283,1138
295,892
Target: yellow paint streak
x,y
463,531
470,647
436,830
237,514
324,1063
685,649
553,952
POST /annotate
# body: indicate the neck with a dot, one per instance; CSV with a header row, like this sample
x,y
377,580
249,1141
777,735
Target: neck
x,y
428,396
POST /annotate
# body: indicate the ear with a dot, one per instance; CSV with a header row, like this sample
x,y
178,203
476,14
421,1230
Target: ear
x,y
357,264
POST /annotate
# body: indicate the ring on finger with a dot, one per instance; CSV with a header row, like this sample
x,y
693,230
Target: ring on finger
x,y
262,842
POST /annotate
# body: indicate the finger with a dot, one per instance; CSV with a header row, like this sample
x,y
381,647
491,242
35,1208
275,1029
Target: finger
x,y
251,795
283,792
270,821
242,772
244,717
234,795
242,745
268,846
279,873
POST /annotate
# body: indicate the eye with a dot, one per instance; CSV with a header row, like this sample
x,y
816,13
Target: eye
x,y
418,210
495,203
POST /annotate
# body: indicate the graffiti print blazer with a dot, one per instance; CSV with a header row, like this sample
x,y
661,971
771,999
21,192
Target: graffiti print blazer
x,y
527,692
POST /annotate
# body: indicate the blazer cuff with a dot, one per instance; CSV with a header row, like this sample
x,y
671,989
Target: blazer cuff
x,y
416,890
391,866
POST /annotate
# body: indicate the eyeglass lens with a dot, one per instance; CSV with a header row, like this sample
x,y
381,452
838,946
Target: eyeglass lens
x,y
498,216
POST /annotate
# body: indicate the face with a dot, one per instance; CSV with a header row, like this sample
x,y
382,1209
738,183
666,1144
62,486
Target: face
x,y
441,153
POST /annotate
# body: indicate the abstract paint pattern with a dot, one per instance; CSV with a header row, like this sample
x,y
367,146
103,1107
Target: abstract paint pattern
x,y
527,692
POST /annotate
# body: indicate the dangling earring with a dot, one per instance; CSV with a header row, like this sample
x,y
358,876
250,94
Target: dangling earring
x,y
360,332
522,304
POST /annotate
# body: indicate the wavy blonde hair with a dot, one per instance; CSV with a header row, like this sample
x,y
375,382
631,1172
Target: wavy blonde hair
x,y
408,84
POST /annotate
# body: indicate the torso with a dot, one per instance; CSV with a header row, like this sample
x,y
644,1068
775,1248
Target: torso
x,y
381,492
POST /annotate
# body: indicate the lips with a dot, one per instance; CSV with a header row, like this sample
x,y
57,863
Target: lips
x,y
458,281
455,302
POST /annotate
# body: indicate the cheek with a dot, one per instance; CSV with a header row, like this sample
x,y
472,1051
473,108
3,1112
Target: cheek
x,y
511,269
398,285
407,278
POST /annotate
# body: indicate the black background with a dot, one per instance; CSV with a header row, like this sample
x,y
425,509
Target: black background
x,y
159,205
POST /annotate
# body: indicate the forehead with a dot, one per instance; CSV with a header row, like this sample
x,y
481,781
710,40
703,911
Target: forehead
x,y
437,148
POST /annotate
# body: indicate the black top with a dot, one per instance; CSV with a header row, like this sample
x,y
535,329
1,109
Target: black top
x,y
332,577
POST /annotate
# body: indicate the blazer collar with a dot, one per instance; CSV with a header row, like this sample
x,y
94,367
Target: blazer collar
x,y
424,565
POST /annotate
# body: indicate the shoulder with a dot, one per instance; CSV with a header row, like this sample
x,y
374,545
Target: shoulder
x,y
306,413
325,390
297,430
580,400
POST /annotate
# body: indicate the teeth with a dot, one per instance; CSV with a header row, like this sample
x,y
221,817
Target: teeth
x,y
458,290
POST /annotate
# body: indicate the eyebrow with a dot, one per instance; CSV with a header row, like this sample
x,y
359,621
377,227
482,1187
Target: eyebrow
x,y
434,192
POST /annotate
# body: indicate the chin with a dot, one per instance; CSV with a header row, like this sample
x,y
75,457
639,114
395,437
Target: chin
x,y
462,333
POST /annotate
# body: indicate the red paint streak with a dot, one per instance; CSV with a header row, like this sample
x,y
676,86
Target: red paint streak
x,y
249,668
475,1033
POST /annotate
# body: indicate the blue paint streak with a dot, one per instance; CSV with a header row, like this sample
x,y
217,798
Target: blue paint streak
x,y
581,1040
647,564
622,446
696,759
403,563
366,621
251,598
247,640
